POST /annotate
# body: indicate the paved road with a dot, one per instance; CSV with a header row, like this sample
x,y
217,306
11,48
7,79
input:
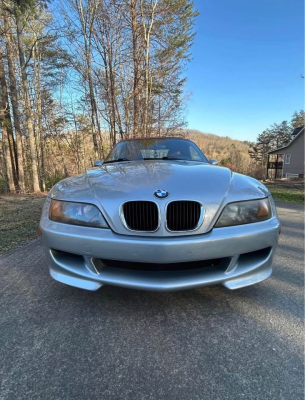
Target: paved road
x,y
57,342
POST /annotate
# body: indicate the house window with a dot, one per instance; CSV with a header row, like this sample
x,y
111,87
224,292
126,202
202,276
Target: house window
x,y
287,158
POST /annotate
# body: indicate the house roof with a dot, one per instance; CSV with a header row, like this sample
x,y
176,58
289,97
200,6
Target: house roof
x,y
296,131
295,134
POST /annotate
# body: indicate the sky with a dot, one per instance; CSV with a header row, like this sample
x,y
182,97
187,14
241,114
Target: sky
x,y
248,57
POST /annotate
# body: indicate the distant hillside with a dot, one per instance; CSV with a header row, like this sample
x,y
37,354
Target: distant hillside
x,y
228,152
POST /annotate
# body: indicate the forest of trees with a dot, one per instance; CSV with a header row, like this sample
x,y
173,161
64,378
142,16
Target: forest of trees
x,y
79,75
76,76
230,153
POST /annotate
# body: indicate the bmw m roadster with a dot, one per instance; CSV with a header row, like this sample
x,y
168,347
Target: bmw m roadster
x,y
158,215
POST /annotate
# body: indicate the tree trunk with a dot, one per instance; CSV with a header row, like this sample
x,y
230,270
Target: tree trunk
x,y
27,103
147,32
4,119
87,21
6,125
112,93
7,155
94,117
40,149
136,102
108,89
14,101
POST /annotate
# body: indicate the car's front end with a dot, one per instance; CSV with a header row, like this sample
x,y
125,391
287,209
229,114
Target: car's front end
x,y
89,258
211,227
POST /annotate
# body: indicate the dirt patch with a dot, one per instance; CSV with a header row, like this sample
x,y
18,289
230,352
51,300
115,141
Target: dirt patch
x,y
19,219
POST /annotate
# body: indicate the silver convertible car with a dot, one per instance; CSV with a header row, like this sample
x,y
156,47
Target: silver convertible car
x,y
157,215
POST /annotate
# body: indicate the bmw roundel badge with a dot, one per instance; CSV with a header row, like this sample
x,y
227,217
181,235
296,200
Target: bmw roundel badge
x,y
161,194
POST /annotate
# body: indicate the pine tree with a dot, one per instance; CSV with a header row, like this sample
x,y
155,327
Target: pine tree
x,y
298,119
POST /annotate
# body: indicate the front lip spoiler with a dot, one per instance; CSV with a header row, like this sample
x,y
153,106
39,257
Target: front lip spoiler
x,y
239,273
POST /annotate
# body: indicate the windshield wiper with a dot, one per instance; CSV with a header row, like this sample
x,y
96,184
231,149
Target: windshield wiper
x,y
172,158
165,158
146,158
118,160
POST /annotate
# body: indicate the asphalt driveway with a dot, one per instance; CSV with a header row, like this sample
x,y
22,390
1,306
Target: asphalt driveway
x,y
58,342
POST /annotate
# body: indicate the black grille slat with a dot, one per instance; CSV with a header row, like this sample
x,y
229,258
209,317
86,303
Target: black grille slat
x,y
183,215
141,215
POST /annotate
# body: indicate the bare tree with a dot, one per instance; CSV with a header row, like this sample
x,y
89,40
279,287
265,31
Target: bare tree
x,y
135,52
112,70
85,11
14,98
26,93
148,15
6,125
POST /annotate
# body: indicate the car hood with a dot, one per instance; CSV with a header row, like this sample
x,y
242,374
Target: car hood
x,y
111,185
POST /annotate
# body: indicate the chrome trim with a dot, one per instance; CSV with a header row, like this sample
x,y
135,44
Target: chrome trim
x,y
200,221
122,217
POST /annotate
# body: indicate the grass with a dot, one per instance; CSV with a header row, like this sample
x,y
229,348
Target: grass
x,y
289,190
290,196
19,220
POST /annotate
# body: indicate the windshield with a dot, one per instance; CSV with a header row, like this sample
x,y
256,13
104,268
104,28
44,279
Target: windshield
x,y
156,149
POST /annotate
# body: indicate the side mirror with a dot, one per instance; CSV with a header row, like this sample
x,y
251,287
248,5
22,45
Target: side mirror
x,y
213,162
98,163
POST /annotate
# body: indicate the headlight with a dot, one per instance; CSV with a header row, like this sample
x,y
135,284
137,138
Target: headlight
x,y
76,214
244,212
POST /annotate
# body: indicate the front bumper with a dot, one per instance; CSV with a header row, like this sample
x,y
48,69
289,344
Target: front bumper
x,y
74,254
